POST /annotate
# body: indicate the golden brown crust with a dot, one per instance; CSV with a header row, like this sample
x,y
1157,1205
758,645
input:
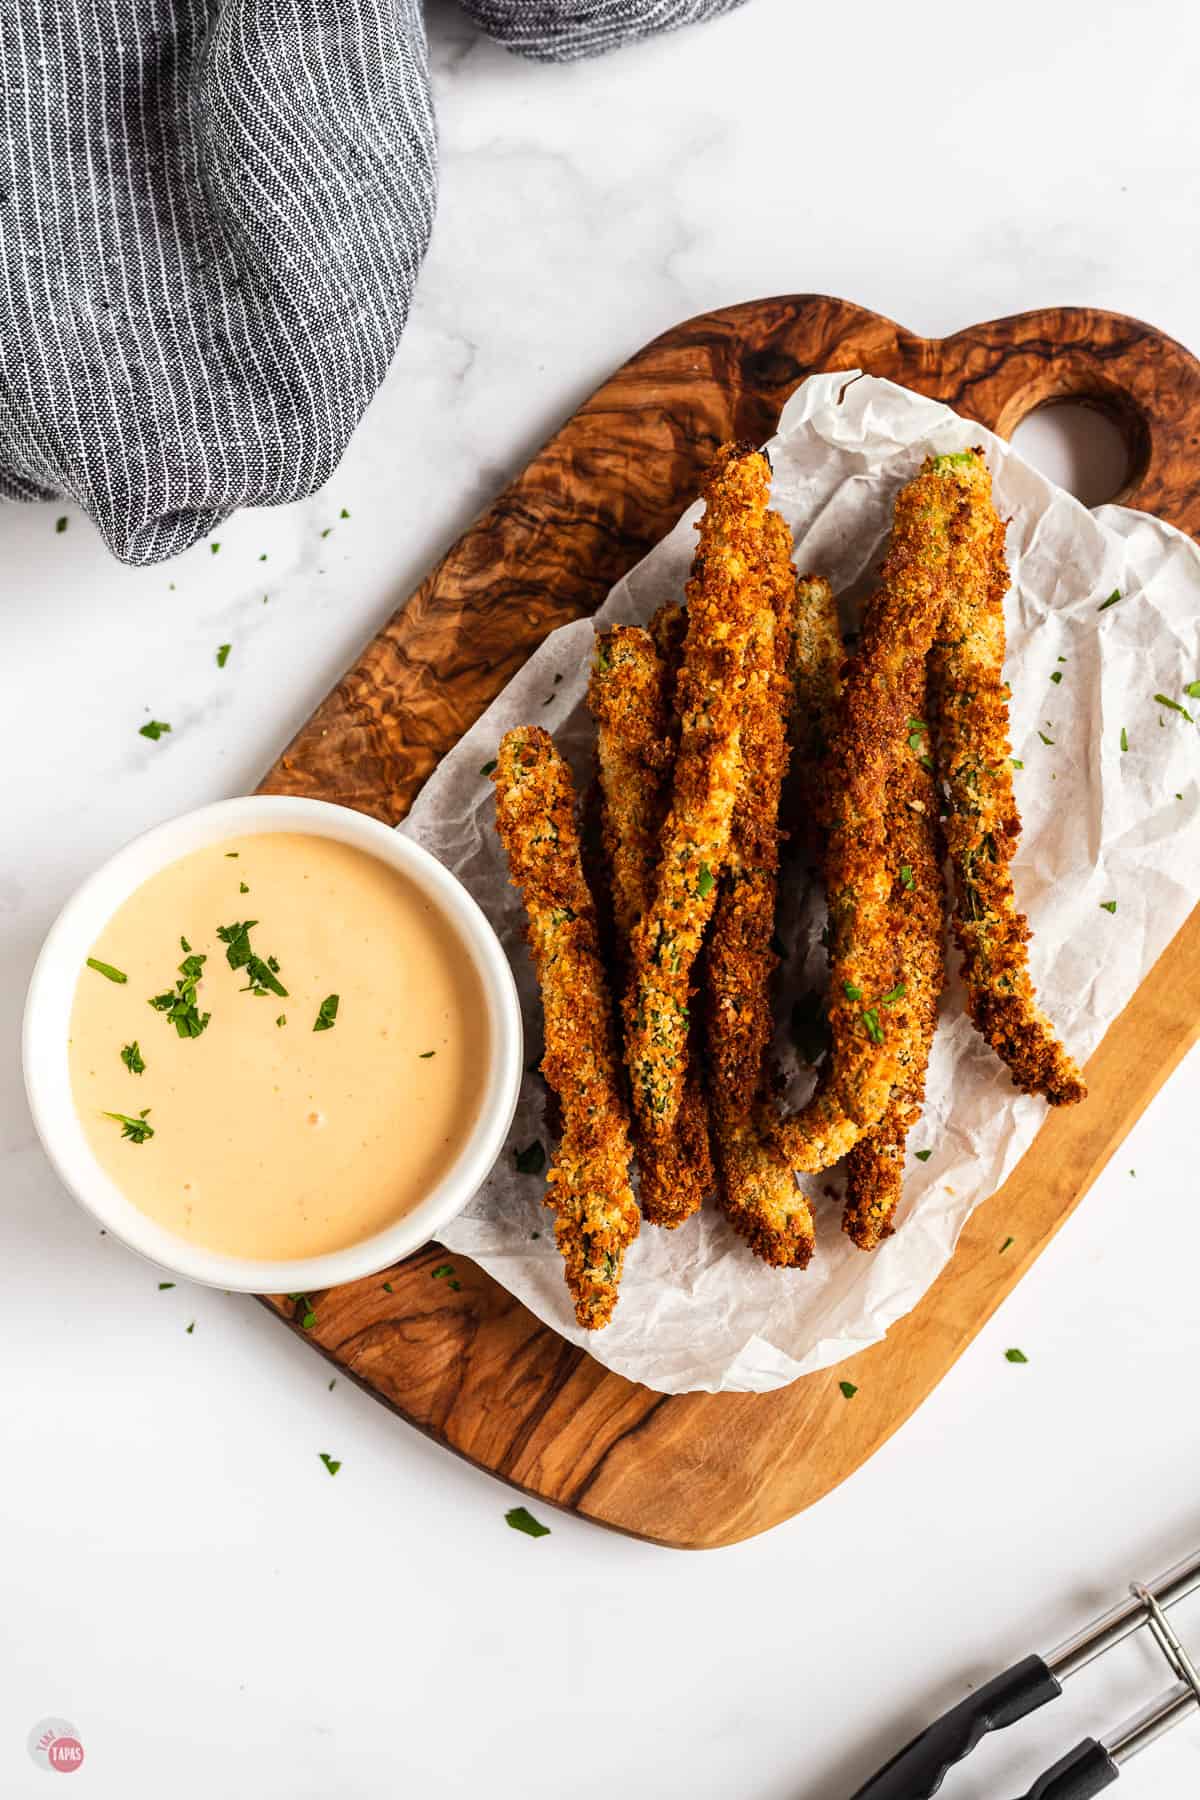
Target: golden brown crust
x,y
875,1165
630,697
867,738
596,1216
817,658
759,1195
758,1190
725,601
970,708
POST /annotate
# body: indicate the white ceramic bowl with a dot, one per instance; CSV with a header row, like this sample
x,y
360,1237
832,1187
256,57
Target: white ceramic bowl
x,y
47,1021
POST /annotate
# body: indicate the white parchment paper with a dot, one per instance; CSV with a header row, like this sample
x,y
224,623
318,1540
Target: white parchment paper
x,y
697,1310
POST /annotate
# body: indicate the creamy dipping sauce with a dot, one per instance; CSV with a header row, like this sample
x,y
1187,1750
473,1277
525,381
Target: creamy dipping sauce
x,y
272,1139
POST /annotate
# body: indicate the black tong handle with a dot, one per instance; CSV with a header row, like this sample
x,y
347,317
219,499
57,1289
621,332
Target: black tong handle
x,y
918,1771
1086,1770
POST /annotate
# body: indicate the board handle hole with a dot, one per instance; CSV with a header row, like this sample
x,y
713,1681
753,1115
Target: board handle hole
x,y
1084,433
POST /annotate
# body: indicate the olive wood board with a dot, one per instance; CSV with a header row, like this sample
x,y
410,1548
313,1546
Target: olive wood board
x,y
470,1366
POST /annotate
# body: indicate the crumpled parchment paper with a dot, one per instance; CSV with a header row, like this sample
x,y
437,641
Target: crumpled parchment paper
x,y
697,1310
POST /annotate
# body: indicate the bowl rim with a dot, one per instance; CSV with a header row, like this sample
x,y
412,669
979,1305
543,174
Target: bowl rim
x,y
51,991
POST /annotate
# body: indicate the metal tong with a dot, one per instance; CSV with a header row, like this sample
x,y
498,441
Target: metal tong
x,y
919,1770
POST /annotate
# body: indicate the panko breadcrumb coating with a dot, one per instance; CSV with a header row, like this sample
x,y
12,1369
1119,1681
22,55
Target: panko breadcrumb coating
x,y
596,1216
867,738
875,1166
970,715
817,658
725,601
758,1189
630,694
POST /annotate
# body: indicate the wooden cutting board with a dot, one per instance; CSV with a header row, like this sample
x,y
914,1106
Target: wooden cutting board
x,y
472,1367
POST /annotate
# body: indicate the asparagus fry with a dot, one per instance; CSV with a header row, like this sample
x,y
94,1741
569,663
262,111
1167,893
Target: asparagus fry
x,y
867,738
758,1189
725,600
630,697
596,1216
875,1166
817,657
970,709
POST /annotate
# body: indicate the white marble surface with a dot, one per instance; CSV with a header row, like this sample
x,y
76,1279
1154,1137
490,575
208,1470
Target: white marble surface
x,y
180,1576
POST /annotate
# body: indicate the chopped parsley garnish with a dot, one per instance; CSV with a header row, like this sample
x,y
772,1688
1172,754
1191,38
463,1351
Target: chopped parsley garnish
x,y
1109,906
425,1055
136,1130
327,531
60,525
521,1519
1175,707
922,1155
1044,738
455,1286
153,728
330,1462
165,1284
191,1328
848,1389
874,1029
343,514
263,976
214,548
893,994
1016,762
1192,690
705,882
230,853
333,1384
387,1287
282,1019
185,946
1124,738
309,1320
488,767
442,1270
107,970
852,992
1056,676
1007,1244
180,1004
326,1013
131,1056
242,888
907,879
810,1027
1111,601
223,654
531,1160
1015,1356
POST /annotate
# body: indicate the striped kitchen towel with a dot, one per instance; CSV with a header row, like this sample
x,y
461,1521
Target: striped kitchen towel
x,y
212,218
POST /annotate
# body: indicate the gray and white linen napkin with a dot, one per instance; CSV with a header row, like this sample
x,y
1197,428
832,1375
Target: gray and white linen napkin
x,y
212,218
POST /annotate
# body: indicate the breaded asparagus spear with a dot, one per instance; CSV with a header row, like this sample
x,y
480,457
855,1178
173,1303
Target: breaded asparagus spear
x,y
817,657
725,600
758,1189
970,715
630,694
596,1216
866,741
875,1166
